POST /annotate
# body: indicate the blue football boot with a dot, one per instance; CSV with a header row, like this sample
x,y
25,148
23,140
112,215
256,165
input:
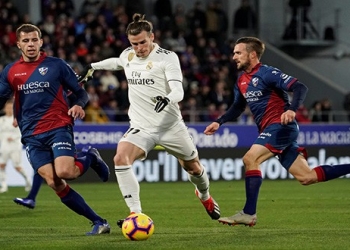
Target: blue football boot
x,y
99,227
101,168
29,203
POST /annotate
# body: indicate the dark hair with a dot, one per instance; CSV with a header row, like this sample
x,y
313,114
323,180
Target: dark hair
x,y
253,44
27,28
138,25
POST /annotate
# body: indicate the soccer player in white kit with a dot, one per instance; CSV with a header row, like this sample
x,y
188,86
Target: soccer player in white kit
x,y
155,87
10,148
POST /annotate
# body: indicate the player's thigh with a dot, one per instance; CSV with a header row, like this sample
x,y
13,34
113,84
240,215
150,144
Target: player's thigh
x,y
178,142
47,172
256,155
127,153
301,171
135,144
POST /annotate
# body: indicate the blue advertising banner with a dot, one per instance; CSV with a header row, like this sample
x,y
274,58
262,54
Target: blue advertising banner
x,y
228,136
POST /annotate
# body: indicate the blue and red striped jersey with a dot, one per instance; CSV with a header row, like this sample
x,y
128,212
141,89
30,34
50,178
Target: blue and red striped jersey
x,y
40,91
265,91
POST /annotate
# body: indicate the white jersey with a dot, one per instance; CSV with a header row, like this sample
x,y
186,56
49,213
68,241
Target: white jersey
x,y
147,78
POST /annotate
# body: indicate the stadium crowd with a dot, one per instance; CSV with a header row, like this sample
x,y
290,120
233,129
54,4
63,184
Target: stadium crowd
x,y
198,35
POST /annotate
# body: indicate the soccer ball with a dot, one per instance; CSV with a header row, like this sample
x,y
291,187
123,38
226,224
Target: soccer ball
x,y
138,227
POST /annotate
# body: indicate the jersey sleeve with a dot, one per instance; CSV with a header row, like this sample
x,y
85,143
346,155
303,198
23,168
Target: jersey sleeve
x,y
278,79
5,88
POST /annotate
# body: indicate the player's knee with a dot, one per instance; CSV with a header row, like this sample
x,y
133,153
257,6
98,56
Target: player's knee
x,y
248,161
121,160
65,173
193,167
306,180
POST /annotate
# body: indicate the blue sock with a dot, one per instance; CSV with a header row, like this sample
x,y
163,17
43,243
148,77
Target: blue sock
x,y
329,172
75,202
37,181
253,181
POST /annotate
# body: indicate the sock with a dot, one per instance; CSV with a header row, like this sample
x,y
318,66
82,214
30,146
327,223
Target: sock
x,y
37,181
3,182
201,182
83,161
328,172
75,202
129,187
253,181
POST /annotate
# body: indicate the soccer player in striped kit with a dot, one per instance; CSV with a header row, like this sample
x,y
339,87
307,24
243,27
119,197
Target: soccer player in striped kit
x,y
264,89
39,84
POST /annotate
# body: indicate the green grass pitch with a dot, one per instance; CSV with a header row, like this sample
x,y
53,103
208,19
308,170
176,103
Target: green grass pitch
x,y
290,216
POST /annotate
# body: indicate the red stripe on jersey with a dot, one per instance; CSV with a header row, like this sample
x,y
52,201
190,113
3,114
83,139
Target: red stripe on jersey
x,y
56,117
274,108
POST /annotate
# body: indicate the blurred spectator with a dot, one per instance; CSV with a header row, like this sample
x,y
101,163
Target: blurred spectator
x,y
244,22
94,113
111,109
302,114
210,114
327,115
316,112
196,17
122,98
346,104
90,6
164,12
246,117
219,94
179,19
108,80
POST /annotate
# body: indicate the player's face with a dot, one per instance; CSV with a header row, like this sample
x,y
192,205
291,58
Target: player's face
x,y
242,57
142,43
29,44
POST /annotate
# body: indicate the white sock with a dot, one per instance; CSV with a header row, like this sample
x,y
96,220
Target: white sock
x,y
201,182
129,187
3,182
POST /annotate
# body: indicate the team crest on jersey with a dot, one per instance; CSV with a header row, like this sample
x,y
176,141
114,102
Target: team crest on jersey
x,y
255,81
43,70
131,56
149,66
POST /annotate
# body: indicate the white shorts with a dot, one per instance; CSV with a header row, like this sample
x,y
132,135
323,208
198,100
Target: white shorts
x,y
14,155
177,141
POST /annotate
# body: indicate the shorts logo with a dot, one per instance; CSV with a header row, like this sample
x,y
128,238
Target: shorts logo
x,y
43,70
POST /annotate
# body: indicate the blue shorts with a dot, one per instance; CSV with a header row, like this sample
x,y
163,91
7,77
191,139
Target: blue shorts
x,y
44,148
282,141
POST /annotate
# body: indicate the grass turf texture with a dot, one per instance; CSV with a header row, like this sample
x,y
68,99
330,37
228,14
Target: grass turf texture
x,y
290,216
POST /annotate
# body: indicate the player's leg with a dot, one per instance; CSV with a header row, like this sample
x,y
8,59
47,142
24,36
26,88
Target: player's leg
x,y
178,142
256,155
135,144
70,166
30,200
16,157
126,154
73,200
3,178
306,176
